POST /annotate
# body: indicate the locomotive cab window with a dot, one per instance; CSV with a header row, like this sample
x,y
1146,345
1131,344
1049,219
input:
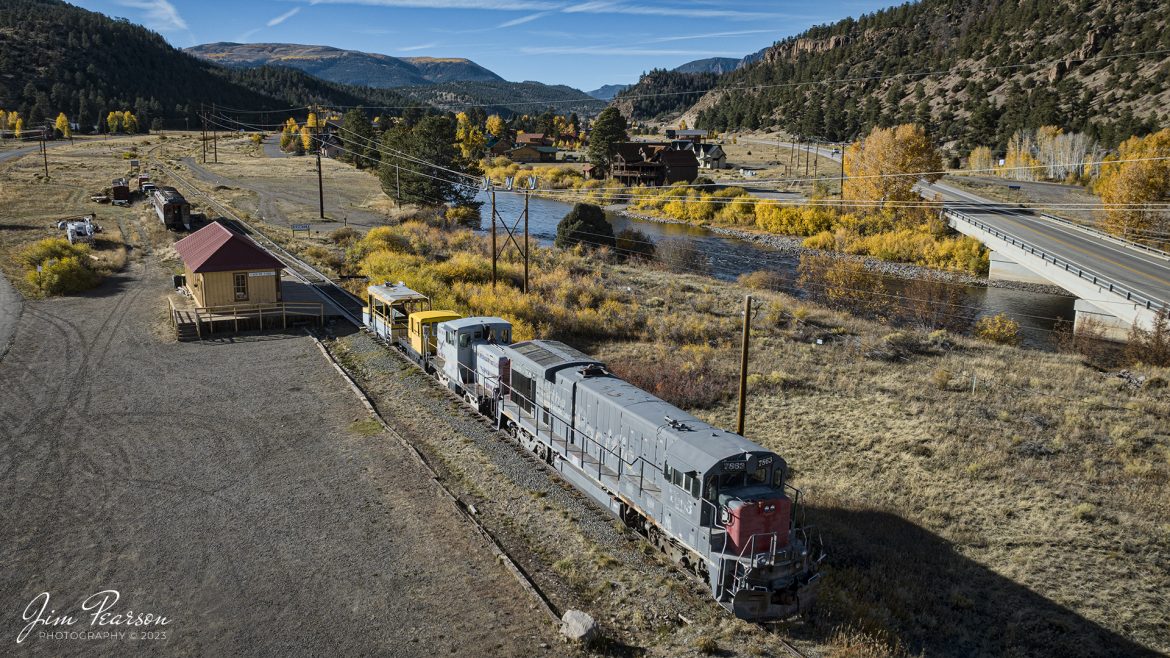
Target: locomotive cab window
x,y
464,340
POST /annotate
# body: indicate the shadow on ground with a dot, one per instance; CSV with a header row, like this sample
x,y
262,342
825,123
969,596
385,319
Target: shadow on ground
x,y
890,577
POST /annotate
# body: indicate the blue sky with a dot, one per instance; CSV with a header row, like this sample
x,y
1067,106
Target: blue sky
x,y
583,43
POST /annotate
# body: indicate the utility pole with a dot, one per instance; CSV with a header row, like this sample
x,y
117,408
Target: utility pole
x,y
214,135
816,158
842,170
320,182
743,364
806,152
203,135
398,187
525,242
493,239
45,149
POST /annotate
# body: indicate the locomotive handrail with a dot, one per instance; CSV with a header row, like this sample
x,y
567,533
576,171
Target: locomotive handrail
x,y
1081,272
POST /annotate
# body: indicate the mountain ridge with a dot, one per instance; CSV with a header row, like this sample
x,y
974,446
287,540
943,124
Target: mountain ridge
x,y
353,67
1099,68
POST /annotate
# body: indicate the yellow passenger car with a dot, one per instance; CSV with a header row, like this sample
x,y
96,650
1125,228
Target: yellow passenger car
x,y
423,330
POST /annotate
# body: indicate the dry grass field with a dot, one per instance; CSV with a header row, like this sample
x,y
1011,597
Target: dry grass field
x,y
31,205
759,151
974,499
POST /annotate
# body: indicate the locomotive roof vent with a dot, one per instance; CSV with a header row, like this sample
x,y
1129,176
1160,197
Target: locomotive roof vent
x,y
676,424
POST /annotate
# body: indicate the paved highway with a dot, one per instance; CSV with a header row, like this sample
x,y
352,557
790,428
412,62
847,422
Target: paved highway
x,y
1145,273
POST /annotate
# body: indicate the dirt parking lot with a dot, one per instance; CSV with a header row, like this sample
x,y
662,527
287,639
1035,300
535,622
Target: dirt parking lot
x,y
236,487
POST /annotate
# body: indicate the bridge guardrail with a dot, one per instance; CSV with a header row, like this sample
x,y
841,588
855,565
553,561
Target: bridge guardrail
x,y
1131,243
1072,268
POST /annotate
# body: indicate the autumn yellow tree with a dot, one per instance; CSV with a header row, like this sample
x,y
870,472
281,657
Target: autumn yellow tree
x,y
496,125
885,166
311,122
3,120
979,160
306,136
129,122
114,120
1020,162
62,125
1135,185
17,125
469,137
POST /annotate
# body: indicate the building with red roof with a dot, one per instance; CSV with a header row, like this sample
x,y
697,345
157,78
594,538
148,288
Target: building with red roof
x,y
224,267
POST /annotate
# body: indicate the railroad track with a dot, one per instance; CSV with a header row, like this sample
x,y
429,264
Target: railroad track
x,y
351,307
348,304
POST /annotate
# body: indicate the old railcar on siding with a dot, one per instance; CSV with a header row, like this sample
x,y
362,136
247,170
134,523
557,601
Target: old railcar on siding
x,y
172,208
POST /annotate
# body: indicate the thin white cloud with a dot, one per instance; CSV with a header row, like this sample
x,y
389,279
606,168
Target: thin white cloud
x,y
588,7
247,36
496,5
605,7
609,51
710,35
423,46
524,19
284,17
160,15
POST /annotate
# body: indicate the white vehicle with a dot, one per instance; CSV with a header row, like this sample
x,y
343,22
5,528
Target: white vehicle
x,y
79,231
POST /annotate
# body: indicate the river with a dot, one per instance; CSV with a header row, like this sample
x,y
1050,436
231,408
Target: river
x,y
730,257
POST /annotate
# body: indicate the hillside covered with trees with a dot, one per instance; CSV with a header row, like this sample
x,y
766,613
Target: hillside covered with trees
x,y
57,58
662,92
973,73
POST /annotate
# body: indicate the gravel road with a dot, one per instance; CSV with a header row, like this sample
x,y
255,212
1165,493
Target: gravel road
x,y
10,307
234,486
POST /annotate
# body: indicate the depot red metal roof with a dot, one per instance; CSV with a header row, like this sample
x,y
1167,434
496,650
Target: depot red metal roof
x,y
216,248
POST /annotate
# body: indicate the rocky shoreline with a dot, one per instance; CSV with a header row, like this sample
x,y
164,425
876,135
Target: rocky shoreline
x,y
793,246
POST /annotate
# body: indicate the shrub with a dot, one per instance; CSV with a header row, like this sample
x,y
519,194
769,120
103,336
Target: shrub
x,y
941,378
62,276
585,224
998,329
49,249
762,280
1151,346
692,377
466,215
682,256
343,236
633,243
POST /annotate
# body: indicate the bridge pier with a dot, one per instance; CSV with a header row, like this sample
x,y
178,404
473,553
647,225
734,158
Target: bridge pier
x,y
1003,268
1092,318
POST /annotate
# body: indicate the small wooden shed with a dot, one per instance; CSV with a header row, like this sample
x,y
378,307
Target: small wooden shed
x,y
225,268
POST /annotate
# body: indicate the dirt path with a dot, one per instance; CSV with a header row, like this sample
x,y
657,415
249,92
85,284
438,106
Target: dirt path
x,y
10,308
236,487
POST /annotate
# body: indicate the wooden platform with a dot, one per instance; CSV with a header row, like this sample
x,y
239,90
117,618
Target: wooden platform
x,y
301,306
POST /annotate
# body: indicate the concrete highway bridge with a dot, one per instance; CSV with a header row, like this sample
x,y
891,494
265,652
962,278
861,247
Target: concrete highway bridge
x,y
1117,283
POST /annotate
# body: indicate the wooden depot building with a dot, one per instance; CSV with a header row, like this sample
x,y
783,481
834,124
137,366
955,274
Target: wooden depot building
x,y
225,268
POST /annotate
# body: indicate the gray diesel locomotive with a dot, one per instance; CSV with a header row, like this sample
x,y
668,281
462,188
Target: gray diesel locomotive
x,y
717,503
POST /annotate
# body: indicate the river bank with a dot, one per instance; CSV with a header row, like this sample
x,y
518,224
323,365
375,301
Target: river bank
x,y
794,246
